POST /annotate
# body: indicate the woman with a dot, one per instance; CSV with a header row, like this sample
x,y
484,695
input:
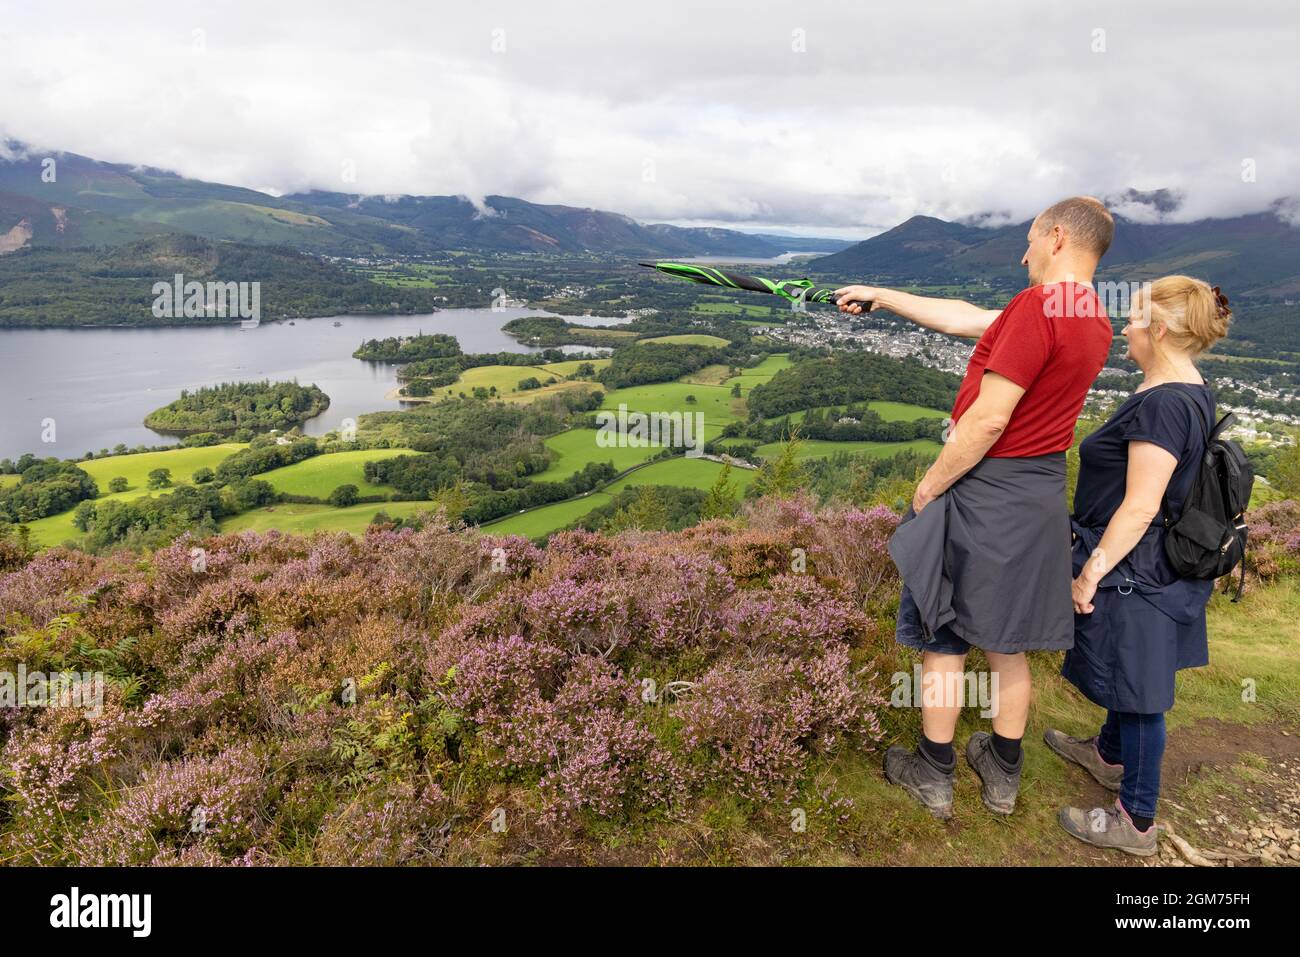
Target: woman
x,y
1136,621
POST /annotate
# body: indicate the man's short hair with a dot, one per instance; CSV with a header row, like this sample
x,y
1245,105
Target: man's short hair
x,y
1087,221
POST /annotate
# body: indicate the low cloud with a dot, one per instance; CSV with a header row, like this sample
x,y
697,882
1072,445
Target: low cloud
x,y
819,117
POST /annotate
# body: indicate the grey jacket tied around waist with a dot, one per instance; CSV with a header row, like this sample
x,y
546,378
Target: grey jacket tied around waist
x,y
990,558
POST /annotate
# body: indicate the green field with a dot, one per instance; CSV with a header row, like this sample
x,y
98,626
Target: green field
x,y
570,366
731,309
135,469
574,449
7,480
715,374
760,373
681,472
322,474
548,518
305,519
506,379
889,411
818,449
684,473
689,339
714,401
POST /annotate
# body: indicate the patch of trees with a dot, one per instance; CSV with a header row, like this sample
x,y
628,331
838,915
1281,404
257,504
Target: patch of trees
x,y
408,348
497,504
46,487
856,423
152,521
551,331
264,456
639,364
850,377
649,508
231,406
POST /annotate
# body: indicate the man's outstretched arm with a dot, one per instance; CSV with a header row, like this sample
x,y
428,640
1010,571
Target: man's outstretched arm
x,y
953,316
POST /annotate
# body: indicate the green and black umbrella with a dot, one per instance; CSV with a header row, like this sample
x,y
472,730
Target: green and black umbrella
x,y
796,290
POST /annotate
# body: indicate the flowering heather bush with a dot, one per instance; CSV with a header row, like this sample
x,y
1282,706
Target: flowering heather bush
x,y
1274,546
379,700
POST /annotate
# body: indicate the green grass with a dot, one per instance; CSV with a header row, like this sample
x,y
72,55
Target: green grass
x,y
506,379
714,401
889,411
819,449
7,480
570,366
684,473
760,373
135,469
305,519
548,518
731,309
1255,639
574,449
689,339
708,375
322,474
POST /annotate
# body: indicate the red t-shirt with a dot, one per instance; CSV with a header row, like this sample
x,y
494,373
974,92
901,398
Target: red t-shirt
x,y
1052,340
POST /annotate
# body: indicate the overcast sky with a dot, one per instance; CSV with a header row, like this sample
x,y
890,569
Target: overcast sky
x,y
827,118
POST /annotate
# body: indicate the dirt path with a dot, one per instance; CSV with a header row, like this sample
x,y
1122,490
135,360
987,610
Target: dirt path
x,y
1221,801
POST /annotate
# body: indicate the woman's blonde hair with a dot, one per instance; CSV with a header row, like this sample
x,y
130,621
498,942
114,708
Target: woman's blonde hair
x,y
1195,315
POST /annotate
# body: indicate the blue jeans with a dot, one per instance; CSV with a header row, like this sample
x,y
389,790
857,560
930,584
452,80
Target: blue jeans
x,y
1136,741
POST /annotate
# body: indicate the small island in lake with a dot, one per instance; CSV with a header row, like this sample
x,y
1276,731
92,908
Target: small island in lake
x,y
408,348
231,406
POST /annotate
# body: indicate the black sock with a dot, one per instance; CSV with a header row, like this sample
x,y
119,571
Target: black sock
x,y
941,755
1142,823
1007,751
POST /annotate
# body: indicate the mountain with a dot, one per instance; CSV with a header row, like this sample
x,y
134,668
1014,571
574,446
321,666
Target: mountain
x,y
67,201
1256,255
77,201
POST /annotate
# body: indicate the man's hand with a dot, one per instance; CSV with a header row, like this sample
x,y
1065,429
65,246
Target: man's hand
x,y
851,298
924,495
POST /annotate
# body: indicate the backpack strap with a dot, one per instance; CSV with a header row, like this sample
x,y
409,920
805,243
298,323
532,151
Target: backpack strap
x,y
1210,435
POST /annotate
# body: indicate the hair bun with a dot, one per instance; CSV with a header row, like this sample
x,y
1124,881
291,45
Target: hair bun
x,y
1222,301
1195,314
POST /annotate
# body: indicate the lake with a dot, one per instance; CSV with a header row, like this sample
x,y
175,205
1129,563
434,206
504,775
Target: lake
x,y
780,260
99,384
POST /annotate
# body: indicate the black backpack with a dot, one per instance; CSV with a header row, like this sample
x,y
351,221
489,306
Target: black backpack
x,y
1208,539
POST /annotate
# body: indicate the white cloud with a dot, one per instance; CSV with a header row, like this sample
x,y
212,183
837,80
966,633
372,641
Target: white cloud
x,y
678,111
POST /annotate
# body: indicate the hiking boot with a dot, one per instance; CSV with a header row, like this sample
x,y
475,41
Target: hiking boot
x,y
1109,827
919,777
1000,785
1084,753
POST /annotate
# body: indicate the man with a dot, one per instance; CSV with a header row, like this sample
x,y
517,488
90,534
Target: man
x,y
984,552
